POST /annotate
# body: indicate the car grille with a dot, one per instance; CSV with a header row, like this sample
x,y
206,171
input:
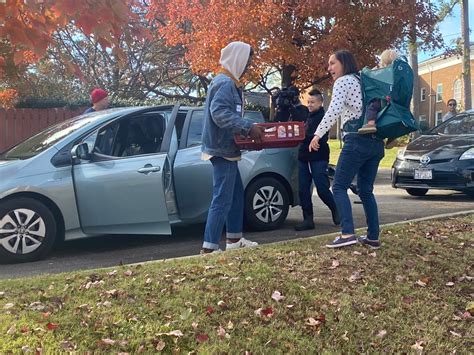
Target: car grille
x,y
440,179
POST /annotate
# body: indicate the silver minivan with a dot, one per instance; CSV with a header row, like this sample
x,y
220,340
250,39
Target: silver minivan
x,y
133,170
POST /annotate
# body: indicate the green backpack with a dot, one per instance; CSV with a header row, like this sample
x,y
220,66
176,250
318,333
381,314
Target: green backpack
x,y
393,85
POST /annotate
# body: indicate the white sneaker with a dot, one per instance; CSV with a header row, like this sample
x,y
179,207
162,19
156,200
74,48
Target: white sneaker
x,y
242,243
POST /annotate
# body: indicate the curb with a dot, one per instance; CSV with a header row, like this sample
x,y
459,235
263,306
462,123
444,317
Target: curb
x,y
445,215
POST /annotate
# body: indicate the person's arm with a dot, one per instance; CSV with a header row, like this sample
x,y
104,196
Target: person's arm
x,y
335,107
224,111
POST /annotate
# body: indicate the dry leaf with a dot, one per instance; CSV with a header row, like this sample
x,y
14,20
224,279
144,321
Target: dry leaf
x,y
194,325
230,325
276,295
355,277
8,306
107,341
382,334
160,346
11,330
420,283
221,333
52,326
418,345
455,334
202,338
335,264
450,284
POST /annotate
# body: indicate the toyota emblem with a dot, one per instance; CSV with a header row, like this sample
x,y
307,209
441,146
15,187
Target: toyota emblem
x,y
424,160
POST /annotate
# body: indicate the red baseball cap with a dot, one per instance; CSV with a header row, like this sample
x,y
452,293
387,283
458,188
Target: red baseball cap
x,y
98,94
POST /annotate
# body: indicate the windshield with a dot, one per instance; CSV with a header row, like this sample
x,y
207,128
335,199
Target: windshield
x,y
460,124
45,139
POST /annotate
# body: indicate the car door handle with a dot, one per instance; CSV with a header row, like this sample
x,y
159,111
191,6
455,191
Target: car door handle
x,y
149,169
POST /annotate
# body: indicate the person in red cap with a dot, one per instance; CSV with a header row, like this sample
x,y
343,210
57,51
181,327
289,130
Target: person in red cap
x,y
100,100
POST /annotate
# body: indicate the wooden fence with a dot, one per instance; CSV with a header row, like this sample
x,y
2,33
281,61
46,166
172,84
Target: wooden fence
x,y
21,123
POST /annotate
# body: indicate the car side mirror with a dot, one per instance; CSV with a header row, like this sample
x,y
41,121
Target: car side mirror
x,y
81,151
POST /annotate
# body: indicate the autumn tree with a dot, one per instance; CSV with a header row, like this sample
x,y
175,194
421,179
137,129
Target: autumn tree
x,y
295,37
26,27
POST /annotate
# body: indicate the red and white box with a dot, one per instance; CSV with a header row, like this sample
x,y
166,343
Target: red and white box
x,y
277,135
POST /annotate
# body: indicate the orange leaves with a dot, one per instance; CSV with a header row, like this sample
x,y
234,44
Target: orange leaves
x,y
28,25
8,98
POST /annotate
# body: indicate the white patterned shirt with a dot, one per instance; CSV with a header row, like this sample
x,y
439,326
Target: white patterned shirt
x,y
346,103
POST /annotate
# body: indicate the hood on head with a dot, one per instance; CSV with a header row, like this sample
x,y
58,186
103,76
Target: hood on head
x,y
234,58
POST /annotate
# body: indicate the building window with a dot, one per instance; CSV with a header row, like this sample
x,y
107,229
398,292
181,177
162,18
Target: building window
x,y
439,93
422,118
457,91
439,117
423,94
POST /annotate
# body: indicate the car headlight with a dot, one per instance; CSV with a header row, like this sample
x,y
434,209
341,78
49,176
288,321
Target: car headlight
x,y
401,153
468,154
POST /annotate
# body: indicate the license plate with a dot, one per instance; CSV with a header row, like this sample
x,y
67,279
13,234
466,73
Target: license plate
x,y
423,174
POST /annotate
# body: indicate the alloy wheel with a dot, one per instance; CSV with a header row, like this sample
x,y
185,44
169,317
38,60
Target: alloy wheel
x,y
268,204
22,231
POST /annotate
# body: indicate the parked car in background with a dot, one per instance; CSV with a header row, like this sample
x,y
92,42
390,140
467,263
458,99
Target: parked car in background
x,y
441,159
126,171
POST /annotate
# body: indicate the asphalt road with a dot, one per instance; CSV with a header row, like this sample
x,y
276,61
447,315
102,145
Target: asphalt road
x,y
394,205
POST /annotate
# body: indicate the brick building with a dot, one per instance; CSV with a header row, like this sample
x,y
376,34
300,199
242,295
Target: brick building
x,y
441,80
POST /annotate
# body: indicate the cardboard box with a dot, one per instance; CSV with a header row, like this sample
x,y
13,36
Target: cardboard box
x,y
277,135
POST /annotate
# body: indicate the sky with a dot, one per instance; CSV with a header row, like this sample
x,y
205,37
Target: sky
x,y
450,29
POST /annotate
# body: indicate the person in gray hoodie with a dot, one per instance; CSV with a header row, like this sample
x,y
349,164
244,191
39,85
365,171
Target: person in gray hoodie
x,y
223,117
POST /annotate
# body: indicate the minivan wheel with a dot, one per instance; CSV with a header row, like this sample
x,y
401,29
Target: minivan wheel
x,y
266,204
417,192
27,230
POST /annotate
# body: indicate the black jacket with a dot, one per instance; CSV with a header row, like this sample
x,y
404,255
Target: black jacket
x,y
312,122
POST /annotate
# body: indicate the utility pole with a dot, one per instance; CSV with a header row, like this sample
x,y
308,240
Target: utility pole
x,y
466,54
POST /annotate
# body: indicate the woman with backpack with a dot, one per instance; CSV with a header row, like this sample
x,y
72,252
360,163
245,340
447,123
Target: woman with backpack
x,y
360,155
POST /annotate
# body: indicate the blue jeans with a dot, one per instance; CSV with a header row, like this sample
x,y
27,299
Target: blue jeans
x,y
360,155
227,206
317,172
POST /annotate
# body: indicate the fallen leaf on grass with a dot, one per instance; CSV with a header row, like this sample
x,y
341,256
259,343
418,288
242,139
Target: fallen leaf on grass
x,y
107,341
128,273
470,307
420,283
2,294
11,330
221,333
160,346
455,334
335,264
202,337
222,304
173,333
230,325
52,326
418,345
355,252
9,305
355,277
450,284
382,334
408,299
209,310
267,312
276,295
194,325
315,322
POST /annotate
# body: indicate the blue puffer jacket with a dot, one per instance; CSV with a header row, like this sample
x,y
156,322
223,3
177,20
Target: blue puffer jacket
x,y
223,118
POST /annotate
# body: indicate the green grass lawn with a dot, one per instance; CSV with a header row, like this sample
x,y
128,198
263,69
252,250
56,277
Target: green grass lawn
x,y
387,161
414,294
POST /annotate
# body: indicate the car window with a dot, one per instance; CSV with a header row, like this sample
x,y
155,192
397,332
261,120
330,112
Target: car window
x,y
136,135
254,116
460,124
45,139
197,122
195,129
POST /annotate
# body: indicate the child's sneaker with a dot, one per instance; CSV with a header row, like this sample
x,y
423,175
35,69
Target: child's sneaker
x,y
242,243
340,242
373,244
208,251
367,129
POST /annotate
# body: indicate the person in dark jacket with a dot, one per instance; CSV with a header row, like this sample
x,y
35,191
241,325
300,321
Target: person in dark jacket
x,y
313,166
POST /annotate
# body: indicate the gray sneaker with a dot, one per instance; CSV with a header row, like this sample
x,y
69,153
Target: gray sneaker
x,y
373,244
340,242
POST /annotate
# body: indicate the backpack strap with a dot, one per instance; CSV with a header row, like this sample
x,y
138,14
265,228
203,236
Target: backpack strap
x,y
352,126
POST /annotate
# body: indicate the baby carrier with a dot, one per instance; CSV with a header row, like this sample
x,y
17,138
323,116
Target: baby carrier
x,y
393,85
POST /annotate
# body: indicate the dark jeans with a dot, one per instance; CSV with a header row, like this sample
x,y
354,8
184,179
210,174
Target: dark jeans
x,y
360,155
317,172
227,206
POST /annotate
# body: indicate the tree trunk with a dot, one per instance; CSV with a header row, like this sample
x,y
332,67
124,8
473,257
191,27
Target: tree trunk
x,y
466,57
286,75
